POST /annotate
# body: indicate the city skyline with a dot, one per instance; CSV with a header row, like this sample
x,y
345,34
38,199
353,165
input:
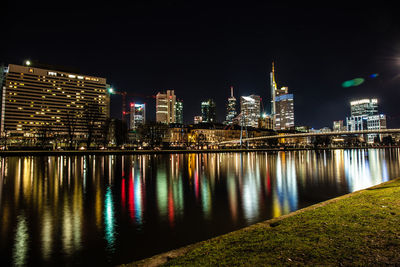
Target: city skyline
x,y
314,49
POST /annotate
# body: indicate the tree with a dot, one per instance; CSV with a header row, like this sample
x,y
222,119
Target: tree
x,y
388,140
70,124
152,133
121,132
91,120
43,135
105,132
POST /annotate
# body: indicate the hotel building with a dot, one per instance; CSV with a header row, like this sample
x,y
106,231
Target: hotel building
x,y
33,98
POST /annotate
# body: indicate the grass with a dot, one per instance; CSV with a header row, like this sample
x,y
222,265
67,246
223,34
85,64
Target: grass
x,y
362,228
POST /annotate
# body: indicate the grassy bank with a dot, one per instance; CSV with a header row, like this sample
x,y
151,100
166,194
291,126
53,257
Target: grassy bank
x,y
362,228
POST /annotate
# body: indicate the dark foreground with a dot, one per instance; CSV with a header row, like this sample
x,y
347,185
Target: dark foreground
x,y
358,229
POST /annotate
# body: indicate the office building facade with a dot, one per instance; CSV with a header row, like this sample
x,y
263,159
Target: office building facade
x,y
364,107
209,111
138,115
284,117
364,116
36,98
165,107
197,119
338,126
179,111
230,109
250,110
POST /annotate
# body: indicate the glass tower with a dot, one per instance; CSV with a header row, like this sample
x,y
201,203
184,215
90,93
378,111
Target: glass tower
x,y
208,111
231,108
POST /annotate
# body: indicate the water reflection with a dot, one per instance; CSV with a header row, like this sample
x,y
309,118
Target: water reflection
x,y
21,241
107,210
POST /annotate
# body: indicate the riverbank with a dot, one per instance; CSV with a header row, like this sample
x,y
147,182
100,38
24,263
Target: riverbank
x,y
167,151
361,228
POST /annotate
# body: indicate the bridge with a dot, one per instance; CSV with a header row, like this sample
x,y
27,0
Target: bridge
x,y
299,135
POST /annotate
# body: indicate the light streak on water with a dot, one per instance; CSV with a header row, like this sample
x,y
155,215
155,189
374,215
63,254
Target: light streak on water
x,y
21,242
109,220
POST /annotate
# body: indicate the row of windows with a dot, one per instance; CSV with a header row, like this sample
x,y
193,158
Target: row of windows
x,y
60,78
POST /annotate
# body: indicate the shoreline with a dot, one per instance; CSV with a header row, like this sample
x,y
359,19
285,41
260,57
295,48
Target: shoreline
x,y
168,151
206,247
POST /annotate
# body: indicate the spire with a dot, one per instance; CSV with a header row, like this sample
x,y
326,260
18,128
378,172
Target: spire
x,y
273,73
273,89
273,67
232,91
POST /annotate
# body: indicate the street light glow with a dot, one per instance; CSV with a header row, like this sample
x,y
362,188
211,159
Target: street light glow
x,y
27,62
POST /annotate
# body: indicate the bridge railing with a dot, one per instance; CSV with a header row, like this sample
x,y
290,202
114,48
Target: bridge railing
x,y
381,131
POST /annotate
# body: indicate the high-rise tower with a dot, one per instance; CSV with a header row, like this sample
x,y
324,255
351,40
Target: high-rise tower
x,y
165,107
231,108
282,109
250,110
273,90
208,111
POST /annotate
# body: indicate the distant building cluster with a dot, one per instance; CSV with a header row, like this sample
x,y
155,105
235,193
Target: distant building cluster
x,y
37,98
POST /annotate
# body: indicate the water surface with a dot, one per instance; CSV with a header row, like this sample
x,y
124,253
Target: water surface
x,y
108,210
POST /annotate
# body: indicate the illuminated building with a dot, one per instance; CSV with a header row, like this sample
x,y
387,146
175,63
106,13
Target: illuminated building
x,y
273,90
364,116
165,107
364,107
231,108
338,126
284,116
179,111
250,110
376,122
282,109
208,111
34,98
198,119
138,115
265,122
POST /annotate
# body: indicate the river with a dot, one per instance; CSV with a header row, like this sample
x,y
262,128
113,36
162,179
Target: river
x,y
108,210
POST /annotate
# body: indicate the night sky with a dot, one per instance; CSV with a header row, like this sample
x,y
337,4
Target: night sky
x,y
200,49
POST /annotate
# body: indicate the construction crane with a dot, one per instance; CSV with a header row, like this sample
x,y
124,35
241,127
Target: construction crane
x,y
124,94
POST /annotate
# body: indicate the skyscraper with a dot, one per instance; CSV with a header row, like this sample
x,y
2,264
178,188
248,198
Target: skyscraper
x,y
179,111
138,115
231,108
37,98
250,110
284,117
165,107
282,106
208,111
273,90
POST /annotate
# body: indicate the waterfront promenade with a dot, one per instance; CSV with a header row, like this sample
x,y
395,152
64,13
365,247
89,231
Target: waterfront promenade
x,y
358,229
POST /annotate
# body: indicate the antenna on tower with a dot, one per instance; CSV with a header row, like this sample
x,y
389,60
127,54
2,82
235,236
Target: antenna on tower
x,y
232,91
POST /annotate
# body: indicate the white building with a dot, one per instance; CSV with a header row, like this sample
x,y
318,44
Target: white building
x,y
165,107
250,110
